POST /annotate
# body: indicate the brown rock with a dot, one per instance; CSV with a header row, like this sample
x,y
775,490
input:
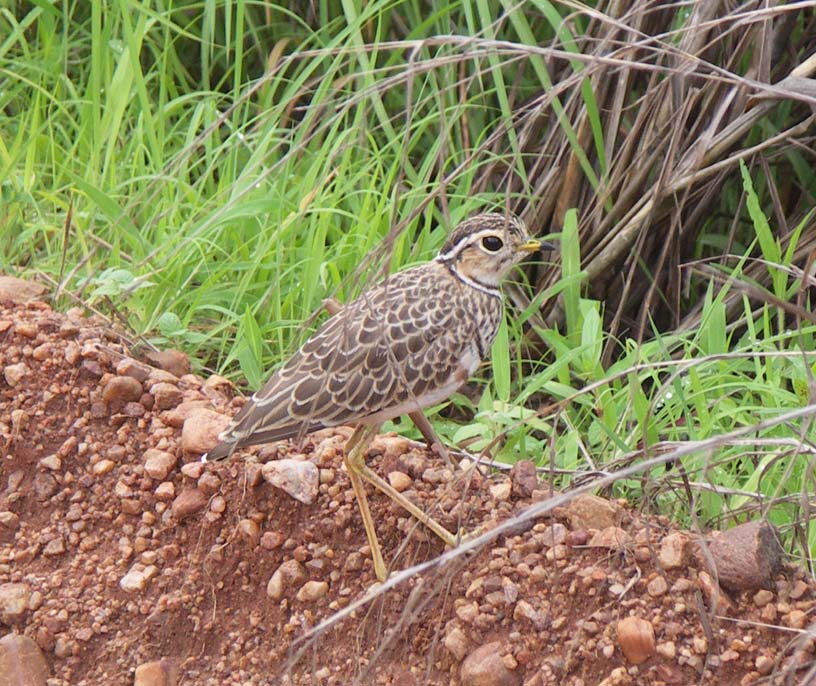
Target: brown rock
x,y
13,602
14,373
187,503
166,395
18,291
675,551
485,667
636,639
122,389
137,577
747,557
399,480
298,478
129,367
201,429
588,511
21,662
524,478
164,672
177,416
610,537
158,464
9,520
290,574
456,643
312,590
173,361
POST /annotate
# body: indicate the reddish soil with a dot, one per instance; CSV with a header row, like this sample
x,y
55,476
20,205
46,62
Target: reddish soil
x,y
197,546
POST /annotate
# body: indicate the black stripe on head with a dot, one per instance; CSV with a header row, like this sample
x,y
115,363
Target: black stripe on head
x,y
481,222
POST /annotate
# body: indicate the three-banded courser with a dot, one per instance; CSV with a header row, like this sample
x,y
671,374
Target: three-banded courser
x,y
403,345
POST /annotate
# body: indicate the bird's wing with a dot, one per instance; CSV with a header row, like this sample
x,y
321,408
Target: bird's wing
x,y
396,343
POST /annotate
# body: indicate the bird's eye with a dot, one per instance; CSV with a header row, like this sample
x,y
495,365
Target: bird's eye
x,y
492,243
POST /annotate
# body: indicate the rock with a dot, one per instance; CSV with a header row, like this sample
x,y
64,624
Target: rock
x,y
312,590
166,395
9,520
52,462
456,643
164,672
290,574
14,373
657,587
21,662
636,639
54,547
193,470
45,485
747,557
137,577
554,534
165,491
485,667
13,602
127,366
399,480
122,389
187,503
178,415
763,597
298,478
158,464
390,446
588,511
18,291
501,490
524,478
201,429
675,551
250,531
173,361
610,537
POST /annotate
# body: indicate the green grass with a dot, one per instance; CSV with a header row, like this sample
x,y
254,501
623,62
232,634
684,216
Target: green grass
x,y
208,175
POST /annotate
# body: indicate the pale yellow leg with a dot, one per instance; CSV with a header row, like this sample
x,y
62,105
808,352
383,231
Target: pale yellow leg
x,y
354,454
355,462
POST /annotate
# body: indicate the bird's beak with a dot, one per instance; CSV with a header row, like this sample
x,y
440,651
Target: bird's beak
x,y
533,246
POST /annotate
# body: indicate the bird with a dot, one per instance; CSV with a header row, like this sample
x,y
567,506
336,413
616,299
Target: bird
x,y
403,345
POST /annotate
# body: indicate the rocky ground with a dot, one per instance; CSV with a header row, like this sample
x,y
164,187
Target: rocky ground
x,y
125,560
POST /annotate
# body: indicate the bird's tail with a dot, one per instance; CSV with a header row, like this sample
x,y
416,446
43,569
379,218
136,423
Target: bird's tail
x,y
220,452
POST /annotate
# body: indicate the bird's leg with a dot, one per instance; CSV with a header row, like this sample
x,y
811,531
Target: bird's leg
x,y
421,422
355,463
354,455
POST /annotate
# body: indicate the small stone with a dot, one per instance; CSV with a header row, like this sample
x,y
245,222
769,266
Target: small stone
x,y
795,619
456,643
272,540
201,430
165,491
524,478
762,597
400,481
193,470
164,672
54,547
611,537
675,551
218,504
657,587
166,395
158,464
588,511
189,502
354,562
173,361
19,291
250,531
13,601
122,389
103,467
485,667
137,577
298,478
554,534
52,462
636,639
500,491
699,645
127,366
14,373
667,649
65,647
799,589
9,520
22,662
748,556
290,574
312,590
764,665
467,612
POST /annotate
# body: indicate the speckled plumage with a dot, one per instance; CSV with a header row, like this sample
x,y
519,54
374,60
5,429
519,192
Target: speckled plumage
x,y
407,343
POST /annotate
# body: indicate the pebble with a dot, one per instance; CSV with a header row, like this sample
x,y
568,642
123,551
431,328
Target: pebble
x,y
103,467
173,361
456,643
250,531
165,491
137,577
611,537
312,590
298,478
290,573
636,639
9,520
127,366
501,490
588,511
400,481
675,551
524,478
201,429
14,373
164,672
764,665
22,662
54,547
193,470
762,597
485,667
657,587
122,389
166,395
158,463
187,503
13,601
